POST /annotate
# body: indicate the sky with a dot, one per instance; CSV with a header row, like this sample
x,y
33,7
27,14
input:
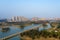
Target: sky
x,y
29,8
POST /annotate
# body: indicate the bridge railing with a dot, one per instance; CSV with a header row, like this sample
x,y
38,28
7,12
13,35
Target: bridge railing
x,y
18,33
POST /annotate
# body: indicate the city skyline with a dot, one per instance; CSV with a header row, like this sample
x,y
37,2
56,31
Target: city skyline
x,y
19,18
30,8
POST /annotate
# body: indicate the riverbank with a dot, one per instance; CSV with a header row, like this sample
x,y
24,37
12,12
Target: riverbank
x,y
40,35
40,38
15,25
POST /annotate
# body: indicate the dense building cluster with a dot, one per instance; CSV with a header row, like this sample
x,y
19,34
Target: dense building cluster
x,y
23,19
19,19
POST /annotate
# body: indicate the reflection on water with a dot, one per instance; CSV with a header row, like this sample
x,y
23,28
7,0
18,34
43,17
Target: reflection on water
x,y
5,29
44,27
21,27
14,29
17,29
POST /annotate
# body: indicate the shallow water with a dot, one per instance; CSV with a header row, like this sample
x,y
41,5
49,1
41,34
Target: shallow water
x,y
14,30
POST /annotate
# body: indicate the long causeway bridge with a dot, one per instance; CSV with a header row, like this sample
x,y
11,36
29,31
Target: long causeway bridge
x,y
17,34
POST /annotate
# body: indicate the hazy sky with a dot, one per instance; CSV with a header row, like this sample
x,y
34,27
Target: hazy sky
x,y
29,8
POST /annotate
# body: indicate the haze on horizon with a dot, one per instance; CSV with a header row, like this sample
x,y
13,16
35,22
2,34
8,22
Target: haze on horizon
x,y
29,8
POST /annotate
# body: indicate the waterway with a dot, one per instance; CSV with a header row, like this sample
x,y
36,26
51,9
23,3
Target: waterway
x,y
14,29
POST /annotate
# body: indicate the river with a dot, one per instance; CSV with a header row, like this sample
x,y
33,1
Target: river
x,y
14,29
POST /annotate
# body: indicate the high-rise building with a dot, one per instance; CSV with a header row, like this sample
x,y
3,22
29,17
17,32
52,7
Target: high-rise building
x,y
19,19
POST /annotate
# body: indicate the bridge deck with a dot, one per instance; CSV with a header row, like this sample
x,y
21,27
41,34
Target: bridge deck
x,y
8,37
